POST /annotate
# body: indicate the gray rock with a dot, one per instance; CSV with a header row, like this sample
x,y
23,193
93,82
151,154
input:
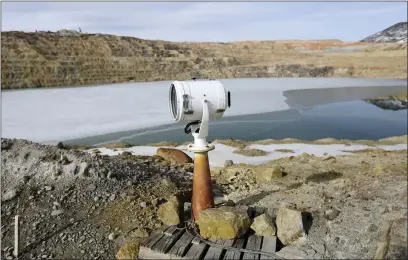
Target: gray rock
x,y
112,197
289,224
92,171
263,226
26,179
111,236
10,194
332,213
84,169
91,187
64,160
372,228
57,212
48,188
143,204
228,163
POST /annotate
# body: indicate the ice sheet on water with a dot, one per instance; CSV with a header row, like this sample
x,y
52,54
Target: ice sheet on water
x,y
66,113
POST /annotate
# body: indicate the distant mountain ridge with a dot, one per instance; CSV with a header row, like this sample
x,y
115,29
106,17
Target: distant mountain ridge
x,y
69,58
396,33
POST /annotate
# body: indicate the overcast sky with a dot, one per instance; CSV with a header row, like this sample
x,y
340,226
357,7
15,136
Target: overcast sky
x,y
205,21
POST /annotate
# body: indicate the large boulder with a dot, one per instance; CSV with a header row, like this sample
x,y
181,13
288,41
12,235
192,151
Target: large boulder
x,y
223,223
128,251
174,155
289,224
263,225
169,213
268,174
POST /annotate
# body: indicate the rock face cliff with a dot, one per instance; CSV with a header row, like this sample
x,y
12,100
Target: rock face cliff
x,y
396,33
52,59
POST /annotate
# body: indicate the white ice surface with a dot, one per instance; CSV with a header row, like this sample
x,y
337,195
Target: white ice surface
x,y
221,153
67,113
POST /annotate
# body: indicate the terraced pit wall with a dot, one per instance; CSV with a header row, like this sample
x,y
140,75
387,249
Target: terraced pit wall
x,y
47,59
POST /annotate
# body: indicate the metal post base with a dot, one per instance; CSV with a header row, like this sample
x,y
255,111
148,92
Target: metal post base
x,y
202,187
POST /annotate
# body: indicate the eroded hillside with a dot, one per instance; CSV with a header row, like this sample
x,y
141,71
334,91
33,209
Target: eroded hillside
x,y
48,59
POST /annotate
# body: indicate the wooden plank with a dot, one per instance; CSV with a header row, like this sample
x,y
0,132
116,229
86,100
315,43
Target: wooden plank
x,y
171,230
215,252
239,243
181,246
166,242
146,253
196,251
196,241
254,243
269,246
153,238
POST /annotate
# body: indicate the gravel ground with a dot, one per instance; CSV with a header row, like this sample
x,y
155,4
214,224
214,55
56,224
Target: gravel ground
x,y
75,204
350,200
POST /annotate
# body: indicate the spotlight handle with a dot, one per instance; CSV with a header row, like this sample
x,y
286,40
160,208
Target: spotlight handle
x,y
200,139
203,133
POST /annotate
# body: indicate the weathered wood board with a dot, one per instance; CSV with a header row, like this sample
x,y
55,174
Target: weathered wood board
x,y
174,243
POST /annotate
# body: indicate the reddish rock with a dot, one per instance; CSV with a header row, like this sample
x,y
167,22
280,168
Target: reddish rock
x,y
174,155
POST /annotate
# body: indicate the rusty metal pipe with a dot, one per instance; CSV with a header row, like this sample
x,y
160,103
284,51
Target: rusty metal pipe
x,y
202,187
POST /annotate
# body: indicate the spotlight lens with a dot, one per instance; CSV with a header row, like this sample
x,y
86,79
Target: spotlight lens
x,y
173,101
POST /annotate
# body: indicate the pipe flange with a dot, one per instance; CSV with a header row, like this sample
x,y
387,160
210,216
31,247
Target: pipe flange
x,y
200,148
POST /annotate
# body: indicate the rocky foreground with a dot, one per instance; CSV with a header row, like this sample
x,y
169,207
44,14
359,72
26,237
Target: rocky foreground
x,y
77,204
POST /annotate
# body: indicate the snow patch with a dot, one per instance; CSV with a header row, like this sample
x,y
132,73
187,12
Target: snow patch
x,y
222,152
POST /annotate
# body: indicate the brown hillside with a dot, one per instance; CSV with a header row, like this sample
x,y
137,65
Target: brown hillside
x,y
48,59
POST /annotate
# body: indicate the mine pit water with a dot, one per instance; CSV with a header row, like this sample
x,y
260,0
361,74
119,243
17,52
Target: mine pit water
x,y
138,113
352,120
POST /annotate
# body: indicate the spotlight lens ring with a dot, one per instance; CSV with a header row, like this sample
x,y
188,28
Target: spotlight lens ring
x,y
173,102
